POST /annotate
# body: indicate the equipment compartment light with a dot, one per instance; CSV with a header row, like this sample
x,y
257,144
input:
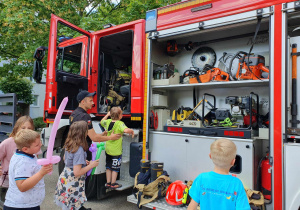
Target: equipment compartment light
x,y
151,20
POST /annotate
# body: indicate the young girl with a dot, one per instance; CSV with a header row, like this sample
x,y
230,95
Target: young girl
x,y
7,148
113,148
70,188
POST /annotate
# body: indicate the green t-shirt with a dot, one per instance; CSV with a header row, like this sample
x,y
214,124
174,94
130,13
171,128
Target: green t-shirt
x,y
114,147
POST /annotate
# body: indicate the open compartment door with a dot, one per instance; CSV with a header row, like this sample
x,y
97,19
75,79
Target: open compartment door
x,y
121,68
68,63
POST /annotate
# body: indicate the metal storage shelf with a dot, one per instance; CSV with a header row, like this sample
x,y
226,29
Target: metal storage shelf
x,y
209,85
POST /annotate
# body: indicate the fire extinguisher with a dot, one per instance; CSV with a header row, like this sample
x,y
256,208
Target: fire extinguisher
x,y
266,177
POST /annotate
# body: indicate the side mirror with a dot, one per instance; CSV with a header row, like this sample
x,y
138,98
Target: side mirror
x,y
37,71
39,55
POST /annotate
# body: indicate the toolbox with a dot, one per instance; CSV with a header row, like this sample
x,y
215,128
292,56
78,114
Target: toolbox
x,y
159,100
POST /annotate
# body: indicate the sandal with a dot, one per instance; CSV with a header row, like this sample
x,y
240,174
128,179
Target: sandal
x,y
115,185
107,185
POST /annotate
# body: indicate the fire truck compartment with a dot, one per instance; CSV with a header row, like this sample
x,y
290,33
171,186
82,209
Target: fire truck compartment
x,y
186,156
115,64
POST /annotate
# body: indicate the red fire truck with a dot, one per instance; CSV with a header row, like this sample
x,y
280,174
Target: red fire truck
x,y
201,70
109,62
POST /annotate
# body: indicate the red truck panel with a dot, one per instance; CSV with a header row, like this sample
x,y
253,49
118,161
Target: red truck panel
x,y
180,14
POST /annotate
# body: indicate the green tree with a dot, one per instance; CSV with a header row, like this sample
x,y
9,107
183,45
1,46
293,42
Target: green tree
x,y
20,86
24,25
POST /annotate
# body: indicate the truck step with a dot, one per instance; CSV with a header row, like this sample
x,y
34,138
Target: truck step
x,y
159,204
125,185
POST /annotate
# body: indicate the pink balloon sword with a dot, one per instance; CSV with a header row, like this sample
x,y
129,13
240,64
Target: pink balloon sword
x,y
50,159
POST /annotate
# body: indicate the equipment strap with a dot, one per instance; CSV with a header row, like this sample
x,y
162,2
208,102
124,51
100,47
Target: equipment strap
x,y
198,79
255,35
253,42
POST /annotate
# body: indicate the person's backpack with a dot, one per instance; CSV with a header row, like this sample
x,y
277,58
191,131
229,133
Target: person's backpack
x,y
149,191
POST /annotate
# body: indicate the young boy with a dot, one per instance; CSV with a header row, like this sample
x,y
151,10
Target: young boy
x,y
26,184
217,189
113,148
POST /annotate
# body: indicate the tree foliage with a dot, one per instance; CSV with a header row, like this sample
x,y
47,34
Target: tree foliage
x,y
24,25
22,87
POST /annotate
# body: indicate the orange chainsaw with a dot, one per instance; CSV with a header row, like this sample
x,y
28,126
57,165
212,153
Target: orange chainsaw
x,y
211,74
250,67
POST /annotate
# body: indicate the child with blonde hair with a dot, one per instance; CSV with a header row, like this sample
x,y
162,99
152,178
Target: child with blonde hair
x,y
217,189
7,149
113,148
26,183
70,188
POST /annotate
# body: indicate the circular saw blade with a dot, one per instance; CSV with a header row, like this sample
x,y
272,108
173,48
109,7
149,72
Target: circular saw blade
x,y
203,56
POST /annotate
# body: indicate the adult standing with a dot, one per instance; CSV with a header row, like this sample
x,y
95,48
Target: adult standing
x,y
85,100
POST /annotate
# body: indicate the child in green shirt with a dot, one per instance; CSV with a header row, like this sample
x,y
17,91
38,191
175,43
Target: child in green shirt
x,y
113,148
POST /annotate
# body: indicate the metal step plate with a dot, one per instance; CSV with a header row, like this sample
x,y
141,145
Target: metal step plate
x,y
159,204
125,185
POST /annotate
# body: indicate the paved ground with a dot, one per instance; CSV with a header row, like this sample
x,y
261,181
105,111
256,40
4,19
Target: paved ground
x,y
118,200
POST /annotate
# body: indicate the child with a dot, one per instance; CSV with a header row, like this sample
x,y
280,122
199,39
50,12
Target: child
x,y
70,188
113,148
217,189
26,184
7,149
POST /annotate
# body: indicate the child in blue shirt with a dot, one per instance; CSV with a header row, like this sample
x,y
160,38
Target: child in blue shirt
x,y
217,189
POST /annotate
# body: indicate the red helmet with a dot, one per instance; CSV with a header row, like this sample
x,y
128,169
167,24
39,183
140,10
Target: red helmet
x,y
174,193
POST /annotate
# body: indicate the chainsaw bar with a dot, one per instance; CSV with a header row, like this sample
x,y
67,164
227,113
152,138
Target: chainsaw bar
x,y
203,56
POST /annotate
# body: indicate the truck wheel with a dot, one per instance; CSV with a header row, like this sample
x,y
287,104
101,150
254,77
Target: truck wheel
x,y
61,163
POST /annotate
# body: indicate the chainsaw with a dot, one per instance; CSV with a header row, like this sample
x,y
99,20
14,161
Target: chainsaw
x,y
210,74
250,67
190,73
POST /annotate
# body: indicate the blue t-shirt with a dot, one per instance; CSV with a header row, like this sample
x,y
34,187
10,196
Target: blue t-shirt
x,y
219,192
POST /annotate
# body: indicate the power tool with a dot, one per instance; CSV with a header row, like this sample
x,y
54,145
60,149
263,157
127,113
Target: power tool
x,y
250,67
210,74
244,105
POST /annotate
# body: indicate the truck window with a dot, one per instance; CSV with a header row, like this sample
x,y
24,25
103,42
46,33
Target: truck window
x,y
69,59
71,63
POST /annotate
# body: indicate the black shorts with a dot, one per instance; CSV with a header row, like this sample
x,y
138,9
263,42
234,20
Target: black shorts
x,y
11,208
113,162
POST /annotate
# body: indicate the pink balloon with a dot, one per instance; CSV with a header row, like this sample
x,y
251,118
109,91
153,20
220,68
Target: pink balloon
x,y
50,159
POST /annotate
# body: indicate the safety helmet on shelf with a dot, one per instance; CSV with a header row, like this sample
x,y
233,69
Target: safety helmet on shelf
x,y
174,193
